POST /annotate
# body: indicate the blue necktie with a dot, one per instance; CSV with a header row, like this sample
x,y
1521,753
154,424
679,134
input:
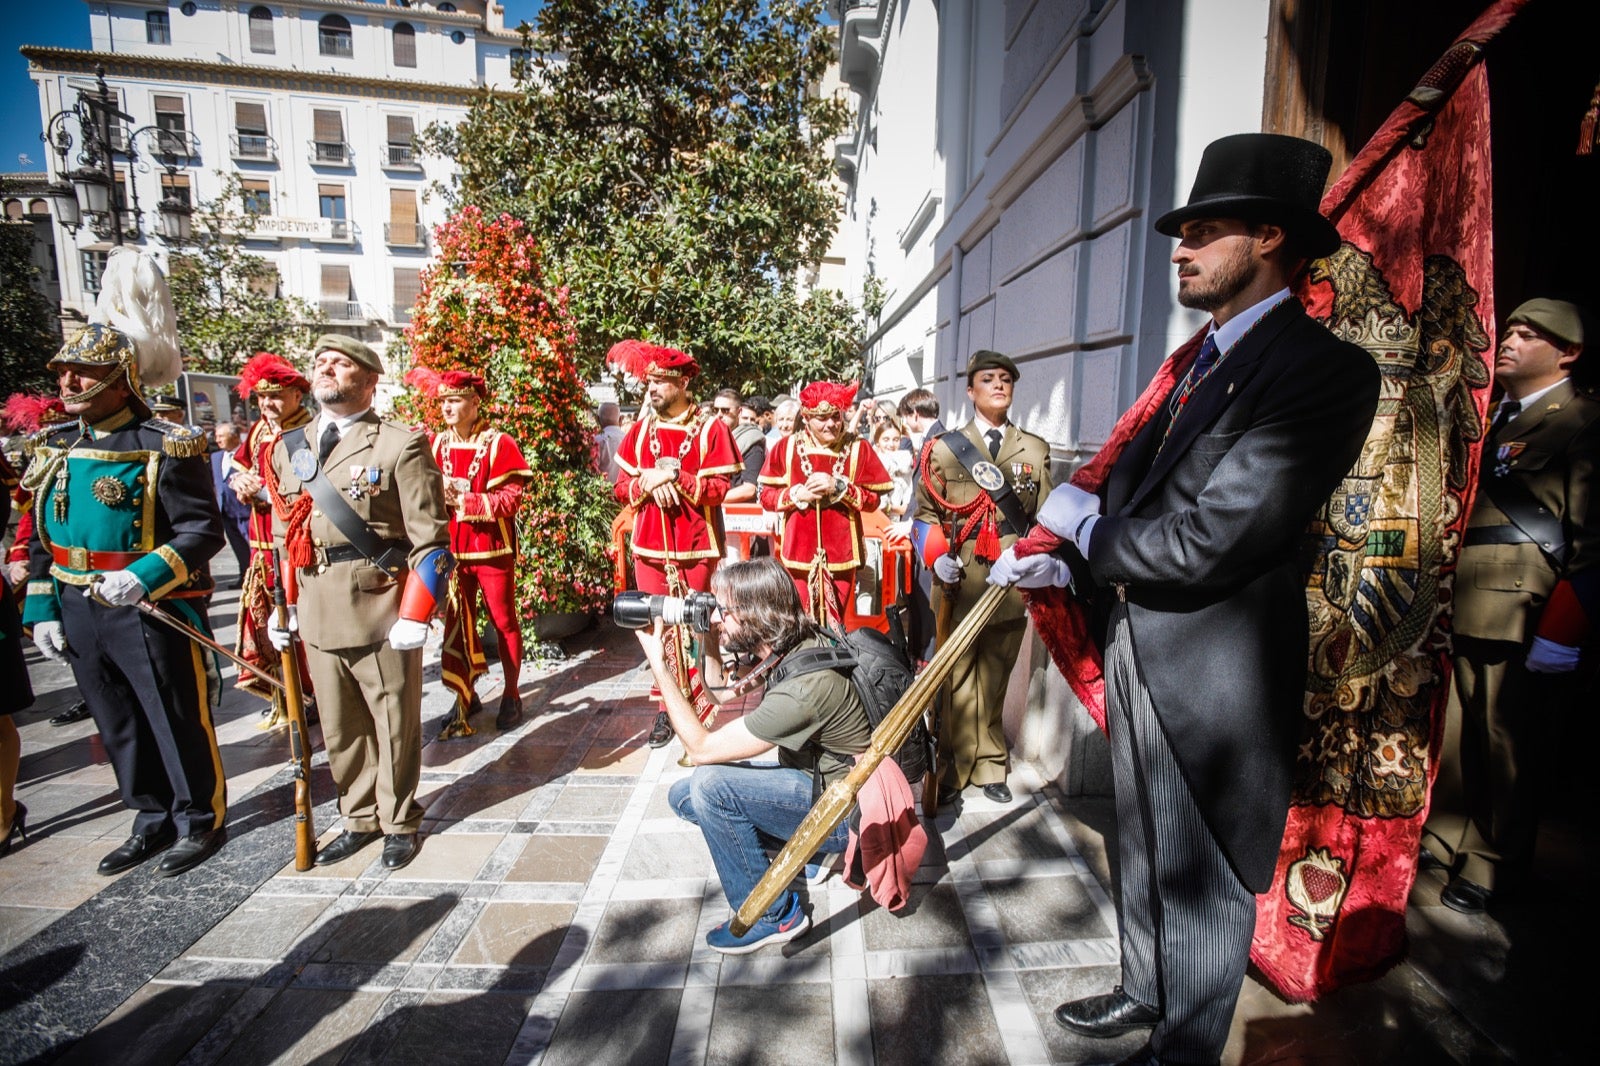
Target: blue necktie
x,y
1206,359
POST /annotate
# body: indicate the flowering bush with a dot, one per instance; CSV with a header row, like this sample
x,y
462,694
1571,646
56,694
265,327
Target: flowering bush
x,y
484,307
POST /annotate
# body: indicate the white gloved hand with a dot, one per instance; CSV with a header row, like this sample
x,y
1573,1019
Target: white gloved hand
x,y
1034,572
282,638
407,634
51,640
1065,509
119,588
947,568
1548,657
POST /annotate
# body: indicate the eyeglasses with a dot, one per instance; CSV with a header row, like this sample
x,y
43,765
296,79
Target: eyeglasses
x,y
724,410
720,612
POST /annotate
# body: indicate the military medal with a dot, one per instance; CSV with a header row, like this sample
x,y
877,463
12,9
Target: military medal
x,y
304,464
363,481
988,477
1022,477
109,491
1506,457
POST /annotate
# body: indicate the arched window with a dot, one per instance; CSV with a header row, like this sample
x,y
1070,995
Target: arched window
x,y
447,8
261,30
38,207
405,45
14,209
333,36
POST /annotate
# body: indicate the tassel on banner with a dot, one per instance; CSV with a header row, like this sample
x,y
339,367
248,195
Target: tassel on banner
x,y
1587,128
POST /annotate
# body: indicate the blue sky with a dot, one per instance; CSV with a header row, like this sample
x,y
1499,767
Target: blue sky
x,y
65,24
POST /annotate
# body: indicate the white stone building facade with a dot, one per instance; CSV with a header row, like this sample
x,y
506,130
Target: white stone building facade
x,y
311,106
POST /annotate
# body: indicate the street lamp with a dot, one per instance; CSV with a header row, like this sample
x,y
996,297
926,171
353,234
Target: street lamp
x,y
94,190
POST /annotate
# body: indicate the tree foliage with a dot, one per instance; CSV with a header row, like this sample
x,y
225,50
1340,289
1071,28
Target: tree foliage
x,y
226,299
673,163
30,333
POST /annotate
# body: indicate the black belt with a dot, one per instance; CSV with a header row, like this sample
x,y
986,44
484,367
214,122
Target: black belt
x,y
1495,535
344,553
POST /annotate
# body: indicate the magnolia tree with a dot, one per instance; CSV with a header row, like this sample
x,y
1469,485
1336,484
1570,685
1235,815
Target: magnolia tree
x,y
485,307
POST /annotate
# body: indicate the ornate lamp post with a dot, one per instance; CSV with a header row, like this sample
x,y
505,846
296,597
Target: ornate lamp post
x,y
92,189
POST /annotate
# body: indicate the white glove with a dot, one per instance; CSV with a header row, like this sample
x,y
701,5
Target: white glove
x,y
282,638
947,568
1545,657
51,640
119,588
1065,509
1034,572
407,634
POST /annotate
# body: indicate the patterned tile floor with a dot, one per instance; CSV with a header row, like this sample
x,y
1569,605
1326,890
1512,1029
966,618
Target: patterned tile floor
x,y
557,914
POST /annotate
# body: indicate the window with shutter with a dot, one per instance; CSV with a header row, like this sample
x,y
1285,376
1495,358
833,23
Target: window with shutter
x,y
175,187
157,28
333,36
172,124
261,31
407,286
250,126
405,45
256,196
338,297
401,129
403,228
327,131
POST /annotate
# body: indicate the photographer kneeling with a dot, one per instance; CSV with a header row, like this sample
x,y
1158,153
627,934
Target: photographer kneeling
x,y
741,808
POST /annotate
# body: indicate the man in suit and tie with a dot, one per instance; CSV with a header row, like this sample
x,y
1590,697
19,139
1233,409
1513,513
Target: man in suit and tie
x,y
361,519
235,512
979,485
1192,551
1527,589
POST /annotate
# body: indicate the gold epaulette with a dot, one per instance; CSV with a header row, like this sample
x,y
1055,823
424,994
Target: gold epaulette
x,y
177,440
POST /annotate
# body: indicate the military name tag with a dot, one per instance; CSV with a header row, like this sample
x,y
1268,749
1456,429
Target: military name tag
x,y
988,477
304,464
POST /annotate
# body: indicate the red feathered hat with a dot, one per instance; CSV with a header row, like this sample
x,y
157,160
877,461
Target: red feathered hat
x,y
25,412
825,397
640,359
267,373
438,385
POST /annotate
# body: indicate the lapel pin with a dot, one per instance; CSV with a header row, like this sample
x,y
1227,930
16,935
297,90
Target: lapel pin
x,y
1230,388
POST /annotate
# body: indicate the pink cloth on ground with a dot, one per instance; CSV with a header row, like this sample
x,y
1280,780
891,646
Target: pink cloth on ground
x,y
886,848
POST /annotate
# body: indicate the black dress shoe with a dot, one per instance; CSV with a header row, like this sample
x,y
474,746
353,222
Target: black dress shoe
x,y
399,849
510,713
1427,860
1110,1014
76,713
1467,897
949,796
661,732
1000,792
191,851
136,849
345,845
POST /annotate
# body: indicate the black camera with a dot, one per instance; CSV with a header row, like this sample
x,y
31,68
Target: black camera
x,y
635,610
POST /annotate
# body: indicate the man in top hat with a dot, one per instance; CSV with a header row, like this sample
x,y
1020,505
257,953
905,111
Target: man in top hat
x,y
818,481
676,467
279,391
361,521
1191,555
979,486
123,513
1527,593
484,475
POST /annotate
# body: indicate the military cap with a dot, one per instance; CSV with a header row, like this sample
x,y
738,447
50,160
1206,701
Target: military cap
x,y
984,359
1553,318
339,342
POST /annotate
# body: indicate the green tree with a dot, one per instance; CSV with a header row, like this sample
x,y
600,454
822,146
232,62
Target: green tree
x,y
226,299
30,332
672,160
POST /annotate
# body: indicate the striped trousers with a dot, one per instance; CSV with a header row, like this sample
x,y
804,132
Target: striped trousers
x,y
1185,920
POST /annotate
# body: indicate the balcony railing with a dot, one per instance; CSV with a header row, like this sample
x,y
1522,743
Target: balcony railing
x,y
405,234
331,154
255,146
337,43
341,232
401,157
342,310
176,142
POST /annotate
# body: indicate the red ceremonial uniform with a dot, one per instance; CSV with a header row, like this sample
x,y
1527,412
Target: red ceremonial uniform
x,y
251,456
688,535
830,533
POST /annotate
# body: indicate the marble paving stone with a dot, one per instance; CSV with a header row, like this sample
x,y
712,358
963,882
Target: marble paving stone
x,y
625,727
1038,908
933,918
944,1019
482,796
646,931
588,1031
156,1025
580,804
557,858
1013,832
490,979
532,764
658,807
515,934
458,753
612,757
1048,989
18,923
668,855
450,857
304,1025
63,810
385,931
55,872
460,1027
553,728
780,1025
260,928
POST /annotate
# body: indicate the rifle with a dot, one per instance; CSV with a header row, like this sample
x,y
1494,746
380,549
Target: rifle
x,y
305,837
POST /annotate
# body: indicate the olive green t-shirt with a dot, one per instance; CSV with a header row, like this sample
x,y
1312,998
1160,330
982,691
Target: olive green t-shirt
x,y
821,707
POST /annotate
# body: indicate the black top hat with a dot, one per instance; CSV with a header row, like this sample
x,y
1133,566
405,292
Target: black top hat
x,y
1262,177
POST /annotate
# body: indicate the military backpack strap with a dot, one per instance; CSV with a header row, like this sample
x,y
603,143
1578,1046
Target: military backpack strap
x,y
988,476
386,555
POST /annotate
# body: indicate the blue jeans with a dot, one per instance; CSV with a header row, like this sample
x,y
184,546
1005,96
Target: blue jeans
x,y
741,810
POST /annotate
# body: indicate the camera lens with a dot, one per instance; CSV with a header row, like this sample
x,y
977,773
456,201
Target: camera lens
x,y
631,610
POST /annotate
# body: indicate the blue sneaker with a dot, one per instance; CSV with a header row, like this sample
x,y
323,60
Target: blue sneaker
x,y
818,872
768,930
